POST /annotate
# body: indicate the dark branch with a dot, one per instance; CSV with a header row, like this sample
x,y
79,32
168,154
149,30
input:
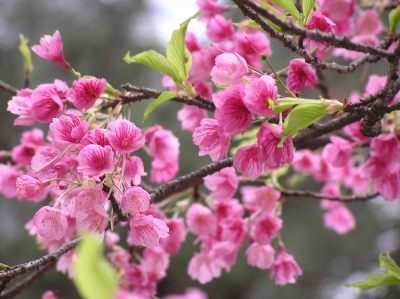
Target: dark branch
x,y
319,196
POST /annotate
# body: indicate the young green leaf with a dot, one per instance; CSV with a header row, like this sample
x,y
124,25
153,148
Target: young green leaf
x,y
177,53
26,55
288,6
302,116
376,280
94,276
394,19
156,61
164,97
308,6
275,11
388,264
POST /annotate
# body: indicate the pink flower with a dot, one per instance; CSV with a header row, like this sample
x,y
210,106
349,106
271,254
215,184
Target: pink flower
x,y
224,254
265,228
96,136
134,170
8,179
210,8
191,41
322,23
95,160
177,234
386,146
260,256
135,201
200,220
49,295
233,230
251,43
191,293
219,29
338,152
285,269
258,92
203,268
223,183
211,139
339,219
248,160
264,197
21,105
389,186
268,139
28,187
203,61
229,68
155,261
300,75
50,223
46,103
375,83
147,231
162,143
163,171
125,137
86,91
224,209
231,112
338,10
69,128
51,49
190,117
377,167
369,23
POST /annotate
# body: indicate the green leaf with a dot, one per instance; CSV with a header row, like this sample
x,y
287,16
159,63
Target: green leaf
x,y
301,117
275,11
394,19
376,280
164,97
288,6
94,276
26,54
177,53
308,6
388,264
156,61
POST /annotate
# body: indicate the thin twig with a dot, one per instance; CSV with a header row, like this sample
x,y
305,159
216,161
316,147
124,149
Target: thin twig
x,y
8,88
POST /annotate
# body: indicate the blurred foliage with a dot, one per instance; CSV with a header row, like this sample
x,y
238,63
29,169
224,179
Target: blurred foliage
x,y
96,35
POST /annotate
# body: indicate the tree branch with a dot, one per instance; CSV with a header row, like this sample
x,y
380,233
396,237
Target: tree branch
x,y
8,88
320,196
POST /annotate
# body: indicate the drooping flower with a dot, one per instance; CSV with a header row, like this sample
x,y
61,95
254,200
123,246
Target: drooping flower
x,y
135,200
8,178
223,183
200,220
258,92
190,117
285,268
50,223
300,75
268,138
339,219
134,170
248,160
95,160
21,105
202,268
210,8
147,231
265,228
86,91
162,143
338,152
229,68
260,256
177,234
219,29
51,49
389,186
69,128
211,139
28,187
125,137
46,103
231,112
163,170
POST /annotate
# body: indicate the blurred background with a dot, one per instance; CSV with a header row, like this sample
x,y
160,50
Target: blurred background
x,y
96,34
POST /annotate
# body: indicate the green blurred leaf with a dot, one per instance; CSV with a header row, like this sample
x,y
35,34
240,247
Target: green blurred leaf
x,y
288,6
275,11
154,60
301,117
388,264
391,276
177,53
164,97
308,6
394,19
26,54
94,276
